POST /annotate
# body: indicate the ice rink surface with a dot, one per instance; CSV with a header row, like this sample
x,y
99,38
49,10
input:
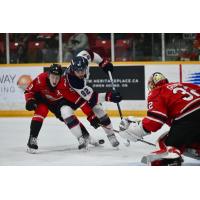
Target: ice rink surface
x,y
58,147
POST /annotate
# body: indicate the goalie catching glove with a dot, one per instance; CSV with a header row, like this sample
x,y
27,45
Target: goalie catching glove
x,y
131,129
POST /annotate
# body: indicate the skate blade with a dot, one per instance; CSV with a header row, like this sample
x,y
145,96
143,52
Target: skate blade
x,y
86,149
83,148
116,148
32,151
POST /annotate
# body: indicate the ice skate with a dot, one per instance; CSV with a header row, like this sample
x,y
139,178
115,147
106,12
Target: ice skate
x,y
32,145
113,140
83,143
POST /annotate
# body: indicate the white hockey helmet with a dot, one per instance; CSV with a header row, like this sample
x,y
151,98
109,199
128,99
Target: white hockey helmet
x,y
156,79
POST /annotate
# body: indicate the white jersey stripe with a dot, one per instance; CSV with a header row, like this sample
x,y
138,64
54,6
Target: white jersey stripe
x,y
77,100
163,114
83,104
190,104
39,116
156,120
187,113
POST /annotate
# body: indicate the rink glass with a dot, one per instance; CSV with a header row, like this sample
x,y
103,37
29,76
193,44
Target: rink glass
x,y
62,47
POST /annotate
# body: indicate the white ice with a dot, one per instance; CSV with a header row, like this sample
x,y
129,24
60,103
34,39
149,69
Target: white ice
x,y
57,146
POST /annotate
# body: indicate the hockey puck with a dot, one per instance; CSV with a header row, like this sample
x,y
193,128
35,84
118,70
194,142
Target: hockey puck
x,y
101,141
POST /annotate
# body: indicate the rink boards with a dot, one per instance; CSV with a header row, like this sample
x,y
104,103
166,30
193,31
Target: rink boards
x,y
130,78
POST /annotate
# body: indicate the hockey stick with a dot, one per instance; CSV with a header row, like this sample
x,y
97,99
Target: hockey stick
x,y
118,106
116,131
113,87
149,143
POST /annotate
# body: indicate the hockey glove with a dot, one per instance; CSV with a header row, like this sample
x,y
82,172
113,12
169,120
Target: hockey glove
x,y
31,105
132,129
125,122
106,66
94,121
113,96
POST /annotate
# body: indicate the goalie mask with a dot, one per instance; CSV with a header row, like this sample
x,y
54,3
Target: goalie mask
x,y
156,79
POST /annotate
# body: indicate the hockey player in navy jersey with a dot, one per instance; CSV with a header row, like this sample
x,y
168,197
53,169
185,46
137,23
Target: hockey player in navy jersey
x,y
78,73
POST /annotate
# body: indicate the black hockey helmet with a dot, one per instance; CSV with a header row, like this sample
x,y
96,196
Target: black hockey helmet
x,y
55,69
79,63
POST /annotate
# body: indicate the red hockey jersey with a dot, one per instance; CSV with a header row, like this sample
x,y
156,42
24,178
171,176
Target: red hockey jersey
x,y
41,85
170,102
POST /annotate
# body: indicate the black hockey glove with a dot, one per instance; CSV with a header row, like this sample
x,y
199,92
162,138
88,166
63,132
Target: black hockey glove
x,y
106,66
113,96
31,105
94,121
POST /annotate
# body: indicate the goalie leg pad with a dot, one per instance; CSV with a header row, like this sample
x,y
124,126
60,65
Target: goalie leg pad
x,y
166,155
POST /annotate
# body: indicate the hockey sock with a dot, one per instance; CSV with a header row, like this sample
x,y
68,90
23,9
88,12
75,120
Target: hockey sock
x,y
107,126
73,124
35,128
85,133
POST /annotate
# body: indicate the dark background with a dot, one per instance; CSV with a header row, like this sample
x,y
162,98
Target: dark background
x,y
128,80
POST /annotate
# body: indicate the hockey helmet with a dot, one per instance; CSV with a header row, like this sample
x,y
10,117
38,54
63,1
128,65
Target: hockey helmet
x,y
79,63
156,79
55,69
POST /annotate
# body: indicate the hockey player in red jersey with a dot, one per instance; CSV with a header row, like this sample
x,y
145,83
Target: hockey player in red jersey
x,y
49,91
78,73
176,104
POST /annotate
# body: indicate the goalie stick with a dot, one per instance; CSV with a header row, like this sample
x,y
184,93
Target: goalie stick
x,y
149,143
116,131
